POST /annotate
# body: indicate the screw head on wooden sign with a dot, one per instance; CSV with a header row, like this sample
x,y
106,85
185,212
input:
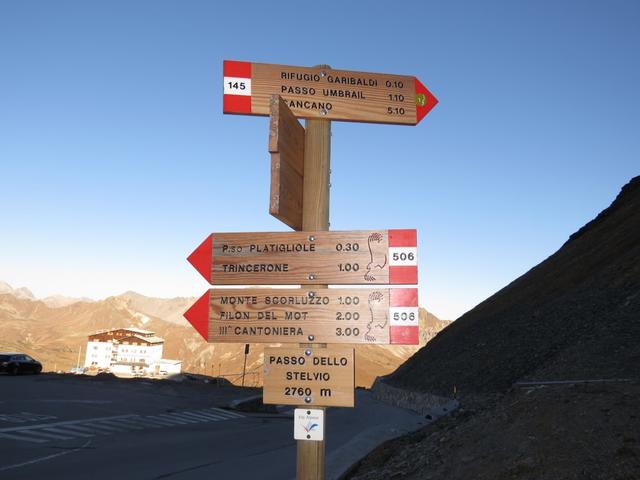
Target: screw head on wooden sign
x,y
336,315
370,257
323,377
315,92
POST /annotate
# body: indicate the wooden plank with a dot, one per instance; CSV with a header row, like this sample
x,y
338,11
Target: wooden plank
x,y
309,376
293,315
286,145
320,92
369,257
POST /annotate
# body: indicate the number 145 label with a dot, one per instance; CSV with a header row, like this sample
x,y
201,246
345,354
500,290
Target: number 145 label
x,y
237,86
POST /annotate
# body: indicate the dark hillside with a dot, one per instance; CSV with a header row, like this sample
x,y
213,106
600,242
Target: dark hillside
x,y
574,316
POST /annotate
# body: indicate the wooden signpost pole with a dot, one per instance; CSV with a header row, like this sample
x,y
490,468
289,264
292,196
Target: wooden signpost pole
x,y
315,217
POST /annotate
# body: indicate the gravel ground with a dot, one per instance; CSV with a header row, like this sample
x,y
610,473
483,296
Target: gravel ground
x,y
584,431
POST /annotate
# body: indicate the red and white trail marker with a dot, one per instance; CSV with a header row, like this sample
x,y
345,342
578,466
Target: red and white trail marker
x,y
404,317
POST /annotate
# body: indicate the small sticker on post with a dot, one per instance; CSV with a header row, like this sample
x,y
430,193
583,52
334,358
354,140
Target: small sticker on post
x,y
308,424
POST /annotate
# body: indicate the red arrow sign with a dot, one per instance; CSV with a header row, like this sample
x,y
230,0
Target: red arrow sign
x,y
198,315
313,92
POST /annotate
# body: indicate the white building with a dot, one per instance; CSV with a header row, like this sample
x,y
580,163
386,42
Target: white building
x,y
129,351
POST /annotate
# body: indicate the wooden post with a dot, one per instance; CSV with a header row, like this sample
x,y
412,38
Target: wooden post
x,y
315,216
317,156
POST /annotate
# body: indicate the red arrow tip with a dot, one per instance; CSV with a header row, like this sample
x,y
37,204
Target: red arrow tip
x,y
425,101
202,258
198,316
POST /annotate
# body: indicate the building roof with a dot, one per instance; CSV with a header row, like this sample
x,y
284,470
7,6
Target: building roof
x,y
129,337
153,339
139,330
133,330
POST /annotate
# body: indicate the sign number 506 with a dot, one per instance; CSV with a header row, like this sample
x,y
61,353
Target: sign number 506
x,y
403,256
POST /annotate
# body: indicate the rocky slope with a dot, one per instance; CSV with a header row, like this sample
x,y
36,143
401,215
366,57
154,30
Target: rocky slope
x,y
573,318
568,432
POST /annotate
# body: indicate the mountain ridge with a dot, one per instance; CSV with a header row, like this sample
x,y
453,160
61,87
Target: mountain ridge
x,y
545,313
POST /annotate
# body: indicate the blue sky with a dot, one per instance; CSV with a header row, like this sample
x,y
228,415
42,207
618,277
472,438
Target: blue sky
x,y
116,160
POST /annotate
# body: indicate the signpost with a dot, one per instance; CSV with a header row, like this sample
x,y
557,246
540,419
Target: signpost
x,y
371,257
309,376
320,92
354,316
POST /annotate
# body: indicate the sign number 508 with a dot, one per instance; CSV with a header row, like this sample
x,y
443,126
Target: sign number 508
x,y
404,316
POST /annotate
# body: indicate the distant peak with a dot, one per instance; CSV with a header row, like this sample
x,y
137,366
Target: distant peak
x,y
21,292
130,293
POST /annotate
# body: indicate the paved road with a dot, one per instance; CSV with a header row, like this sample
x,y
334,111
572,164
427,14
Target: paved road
x,y
78,428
